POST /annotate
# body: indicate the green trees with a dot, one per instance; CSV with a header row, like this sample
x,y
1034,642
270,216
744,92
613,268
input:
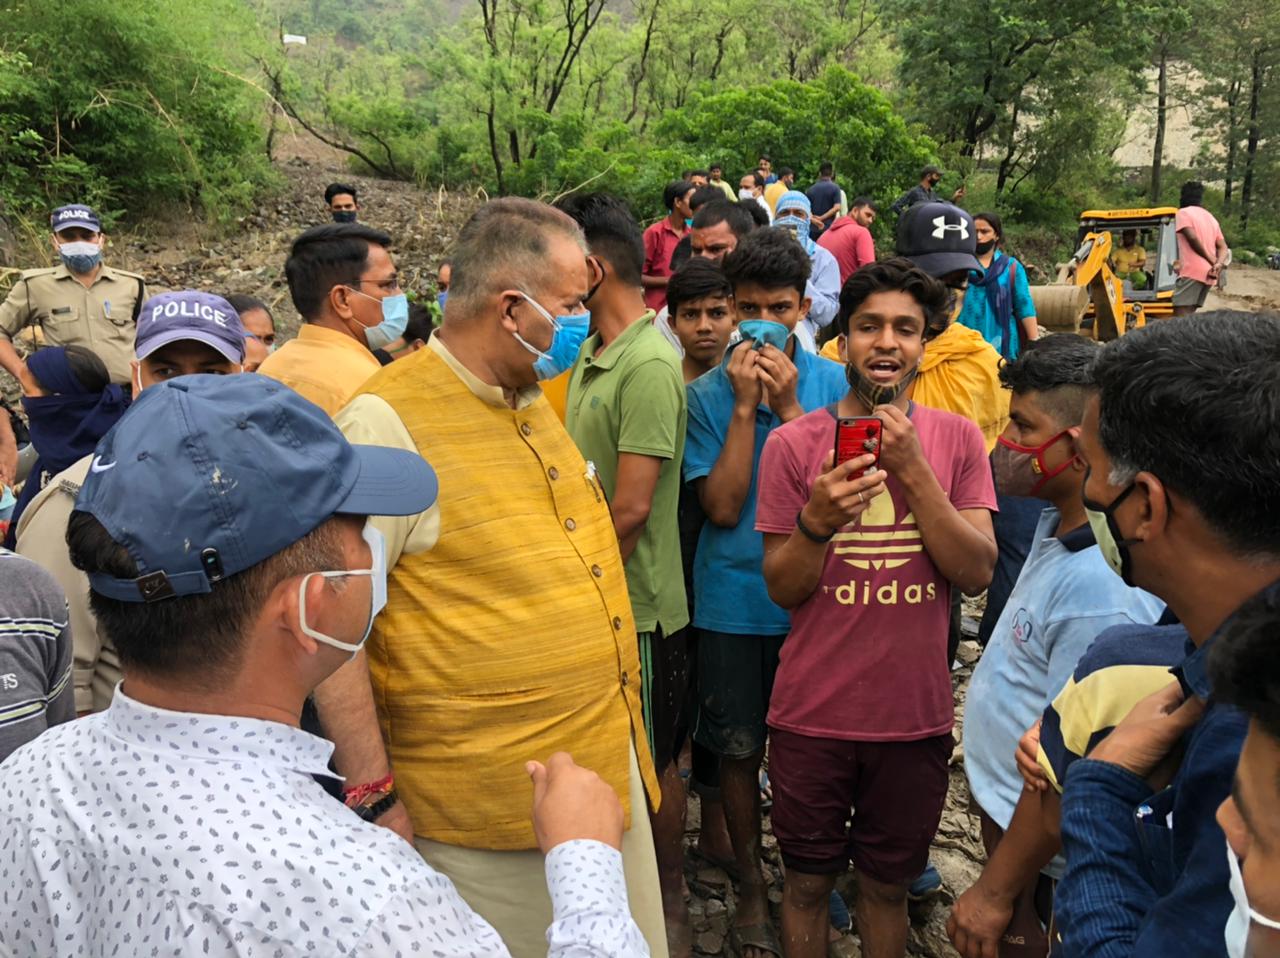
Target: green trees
x,y
1239,106
167,101
134,99
834,117
1026,85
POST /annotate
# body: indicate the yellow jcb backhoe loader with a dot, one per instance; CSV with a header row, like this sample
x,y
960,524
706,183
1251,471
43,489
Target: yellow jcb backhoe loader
x,y
1090,298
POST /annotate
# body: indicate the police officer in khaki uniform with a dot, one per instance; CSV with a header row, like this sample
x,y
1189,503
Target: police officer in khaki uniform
x,y
82,301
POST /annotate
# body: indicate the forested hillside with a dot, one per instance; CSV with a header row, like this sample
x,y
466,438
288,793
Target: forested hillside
x,y
142,104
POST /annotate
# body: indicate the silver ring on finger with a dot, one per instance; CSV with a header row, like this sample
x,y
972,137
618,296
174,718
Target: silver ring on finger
x,y
862,498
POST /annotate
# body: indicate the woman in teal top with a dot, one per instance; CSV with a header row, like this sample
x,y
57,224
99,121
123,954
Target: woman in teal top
x,y
999,305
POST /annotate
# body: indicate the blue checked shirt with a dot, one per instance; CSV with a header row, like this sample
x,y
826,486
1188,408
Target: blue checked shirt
x,y
1146,874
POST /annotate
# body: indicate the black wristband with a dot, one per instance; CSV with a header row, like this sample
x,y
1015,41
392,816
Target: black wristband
x,y
810,534
371,812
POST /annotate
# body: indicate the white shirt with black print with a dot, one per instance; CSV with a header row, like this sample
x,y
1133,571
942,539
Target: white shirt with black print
x,y
141,831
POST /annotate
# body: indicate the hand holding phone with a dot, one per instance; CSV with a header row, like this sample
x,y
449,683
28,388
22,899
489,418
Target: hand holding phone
x,y
858,436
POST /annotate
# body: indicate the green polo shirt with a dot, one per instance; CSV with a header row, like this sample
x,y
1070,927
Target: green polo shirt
x,y
631,398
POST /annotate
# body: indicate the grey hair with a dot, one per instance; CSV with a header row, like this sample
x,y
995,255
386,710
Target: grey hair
x,y
504,246
1122,473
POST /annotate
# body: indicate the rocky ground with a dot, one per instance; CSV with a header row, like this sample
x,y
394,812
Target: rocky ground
x,y
251,258
183,253
957,853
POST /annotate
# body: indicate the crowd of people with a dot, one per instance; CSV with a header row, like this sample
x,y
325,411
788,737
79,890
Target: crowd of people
x,y
413,634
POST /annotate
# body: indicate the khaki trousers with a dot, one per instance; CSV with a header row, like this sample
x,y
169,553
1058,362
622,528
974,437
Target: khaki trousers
x,y
509,888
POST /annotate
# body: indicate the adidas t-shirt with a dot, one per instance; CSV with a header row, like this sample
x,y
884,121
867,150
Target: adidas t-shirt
x,y
866,658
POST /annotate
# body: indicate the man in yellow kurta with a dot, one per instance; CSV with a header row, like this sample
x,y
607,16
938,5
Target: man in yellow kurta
x,y
513,637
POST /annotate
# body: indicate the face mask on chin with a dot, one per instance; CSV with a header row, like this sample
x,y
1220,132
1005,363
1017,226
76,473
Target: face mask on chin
x,y
872,394
377,573
1237,930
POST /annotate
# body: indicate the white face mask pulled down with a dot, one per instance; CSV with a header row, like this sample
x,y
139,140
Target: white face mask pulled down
x,y
378,593
1237,930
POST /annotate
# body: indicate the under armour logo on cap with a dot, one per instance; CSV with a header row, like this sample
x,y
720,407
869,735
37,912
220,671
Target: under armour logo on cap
x,y
941,227
939,238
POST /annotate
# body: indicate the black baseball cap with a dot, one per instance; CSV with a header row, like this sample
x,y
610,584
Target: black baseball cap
x,y
939,238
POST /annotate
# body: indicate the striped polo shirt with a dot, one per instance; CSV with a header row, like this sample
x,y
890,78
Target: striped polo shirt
x,y
1124,665
35,653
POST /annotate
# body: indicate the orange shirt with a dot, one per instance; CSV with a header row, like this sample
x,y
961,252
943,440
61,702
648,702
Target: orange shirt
x,y
322,365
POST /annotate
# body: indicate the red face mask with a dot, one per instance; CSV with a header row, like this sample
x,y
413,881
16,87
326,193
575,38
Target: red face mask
x,y
1021,470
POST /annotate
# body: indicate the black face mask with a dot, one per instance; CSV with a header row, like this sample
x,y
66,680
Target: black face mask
x,y
344,216
986,247
594,288
873,394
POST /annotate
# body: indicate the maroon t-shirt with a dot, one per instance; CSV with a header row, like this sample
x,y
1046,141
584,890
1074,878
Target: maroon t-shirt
x,y
866,658
660,241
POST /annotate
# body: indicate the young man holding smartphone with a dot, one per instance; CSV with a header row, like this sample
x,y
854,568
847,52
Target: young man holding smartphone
x,y
761,383
865,555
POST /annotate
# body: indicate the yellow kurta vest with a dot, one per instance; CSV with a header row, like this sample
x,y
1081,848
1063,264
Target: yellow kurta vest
x,y
513,637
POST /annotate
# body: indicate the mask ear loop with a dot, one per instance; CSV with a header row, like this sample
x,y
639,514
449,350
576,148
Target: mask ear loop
x,y
321,636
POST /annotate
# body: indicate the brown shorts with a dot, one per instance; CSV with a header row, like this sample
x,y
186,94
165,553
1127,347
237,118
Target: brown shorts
x,y
876,804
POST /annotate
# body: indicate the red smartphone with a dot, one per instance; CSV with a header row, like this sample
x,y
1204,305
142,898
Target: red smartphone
x,y
856,436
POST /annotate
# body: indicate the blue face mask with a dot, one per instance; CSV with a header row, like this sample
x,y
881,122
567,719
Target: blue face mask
x,y
441,299
81,257
570,333
764,332
395,317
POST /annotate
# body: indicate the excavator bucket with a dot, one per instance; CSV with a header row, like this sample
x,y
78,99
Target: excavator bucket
x,y
1060,308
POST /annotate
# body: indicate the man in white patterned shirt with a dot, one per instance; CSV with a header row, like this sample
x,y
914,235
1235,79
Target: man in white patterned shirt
x,y
183,820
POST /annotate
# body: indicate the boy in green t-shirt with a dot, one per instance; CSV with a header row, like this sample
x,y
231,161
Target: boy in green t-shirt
x,y
626,412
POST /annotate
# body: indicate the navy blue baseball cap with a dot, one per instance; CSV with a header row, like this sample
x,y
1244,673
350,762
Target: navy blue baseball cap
x,y
207,476
189,315
939,238
76,215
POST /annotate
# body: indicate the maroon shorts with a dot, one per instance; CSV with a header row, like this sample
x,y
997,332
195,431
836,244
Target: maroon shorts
x,y
876,804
